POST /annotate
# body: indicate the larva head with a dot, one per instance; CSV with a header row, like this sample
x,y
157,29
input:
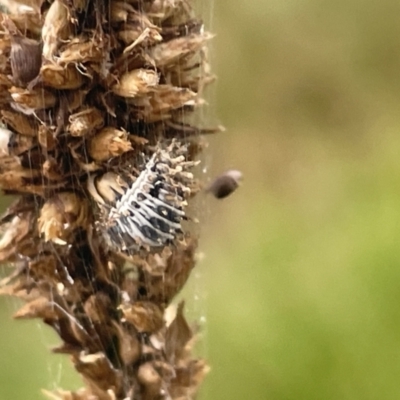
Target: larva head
x,y
144,210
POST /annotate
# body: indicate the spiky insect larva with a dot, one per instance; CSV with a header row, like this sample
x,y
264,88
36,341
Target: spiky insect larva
x,y
149,211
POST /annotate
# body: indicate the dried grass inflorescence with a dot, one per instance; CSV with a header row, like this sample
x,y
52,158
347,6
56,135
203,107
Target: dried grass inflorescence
x,y
98,142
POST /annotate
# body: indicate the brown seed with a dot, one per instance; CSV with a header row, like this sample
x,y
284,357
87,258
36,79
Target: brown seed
x,y
225,184
25,59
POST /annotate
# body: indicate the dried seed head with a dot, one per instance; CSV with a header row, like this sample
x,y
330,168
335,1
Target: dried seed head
x,y
225,184
102,274
25,59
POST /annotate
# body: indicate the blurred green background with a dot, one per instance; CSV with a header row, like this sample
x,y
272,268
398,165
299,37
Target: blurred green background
x,y
299,289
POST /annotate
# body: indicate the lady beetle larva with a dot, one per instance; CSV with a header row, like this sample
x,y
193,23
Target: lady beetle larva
x,y
144,210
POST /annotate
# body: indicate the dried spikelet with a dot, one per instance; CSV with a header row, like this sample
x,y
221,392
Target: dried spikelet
x,y
107,188
38,308
108,143
56,28
79,5
178,335
99,373
17,144
136,83
164,99
61,216
85,122
29,101
28,22
166,54
129,348
82,394
15,232
164,9
5,137
5,42
150,379
60,77
146,317
23,6
19,122
5,81
51,170
13,176
80,50
137,32
46,138
168,273
120,11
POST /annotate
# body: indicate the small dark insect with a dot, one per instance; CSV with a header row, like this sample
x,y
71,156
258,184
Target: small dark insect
x,y
225,184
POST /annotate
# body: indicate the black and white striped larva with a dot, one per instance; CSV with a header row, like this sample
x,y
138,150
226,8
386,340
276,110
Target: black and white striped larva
x,y
144,210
